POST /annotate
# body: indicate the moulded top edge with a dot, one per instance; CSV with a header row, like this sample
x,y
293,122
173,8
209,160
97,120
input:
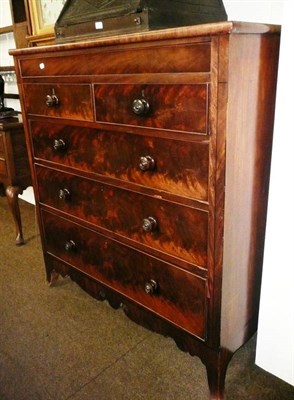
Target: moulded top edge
x,y
210,29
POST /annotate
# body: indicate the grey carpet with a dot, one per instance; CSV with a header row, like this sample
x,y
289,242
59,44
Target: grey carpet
x,y
59,343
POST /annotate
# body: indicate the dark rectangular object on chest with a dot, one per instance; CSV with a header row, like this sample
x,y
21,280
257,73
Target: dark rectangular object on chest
x,y
84,19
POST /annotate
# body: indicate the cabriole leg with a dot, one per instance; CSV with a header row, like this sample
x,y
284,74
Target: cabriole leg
x,y
12,193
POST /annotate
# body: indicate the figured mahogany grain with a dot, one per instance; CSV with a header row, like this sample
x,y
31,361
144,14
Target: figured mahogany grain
x,y
74,101
161,59
181,232
127,271
174,107
179,168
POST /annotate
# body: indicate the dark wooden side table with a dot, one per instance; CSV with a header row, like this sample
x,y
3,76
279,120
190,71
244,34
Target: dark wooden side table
x,y
14,168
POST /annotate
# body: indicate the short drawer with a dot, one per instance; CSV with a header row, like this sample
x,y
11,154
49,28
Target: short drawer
x,y
130,60
166,290
174,107
163,226
172,166
59,100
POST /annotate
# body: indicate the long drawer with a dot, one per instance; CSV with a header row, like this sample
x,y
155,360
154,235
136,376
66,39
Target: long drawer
x,y
173,166
169,228
166,290
130,60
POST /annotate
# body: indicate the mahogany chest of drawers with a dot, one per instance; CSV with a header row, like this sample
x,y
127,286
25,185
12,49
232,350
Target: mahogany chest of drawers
x,y
151,157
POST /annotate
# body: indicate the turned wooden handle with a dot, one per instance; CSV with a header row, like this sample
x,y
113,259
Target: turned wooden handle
x,y
151,287
149,224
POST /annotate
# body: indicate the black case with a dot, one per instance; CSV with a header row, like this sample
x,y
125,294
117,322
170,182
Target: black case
x,y
83,19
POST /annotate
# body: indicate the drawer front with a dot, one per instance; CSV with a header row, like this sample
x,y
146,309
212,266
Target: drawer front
x,y
179,296
153,59
74,101
178,167
163,226
172,107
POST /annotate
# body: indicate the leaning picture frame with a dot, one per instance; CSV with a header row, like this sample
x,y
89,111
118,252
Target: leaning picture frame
x,y
43,15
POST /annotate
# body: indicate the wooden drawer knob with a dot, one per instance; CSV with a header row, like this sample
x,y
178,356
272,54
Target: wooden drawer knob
x,y
149,224
147,163
59,145
52,99
140,106
151,287
64,194
70,246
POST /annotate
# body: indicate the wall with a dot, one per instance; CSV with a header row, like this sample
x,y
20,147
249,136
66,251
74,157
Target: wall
x,y
269,11
275,344
5,15
7,42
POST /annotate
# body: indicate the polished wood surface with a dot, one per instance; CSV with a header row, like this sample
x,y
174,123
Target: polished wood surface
x,y
174,107
188,33
179,169
169,195
128,271
14,168
74,101
180,231
192,58
247,178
